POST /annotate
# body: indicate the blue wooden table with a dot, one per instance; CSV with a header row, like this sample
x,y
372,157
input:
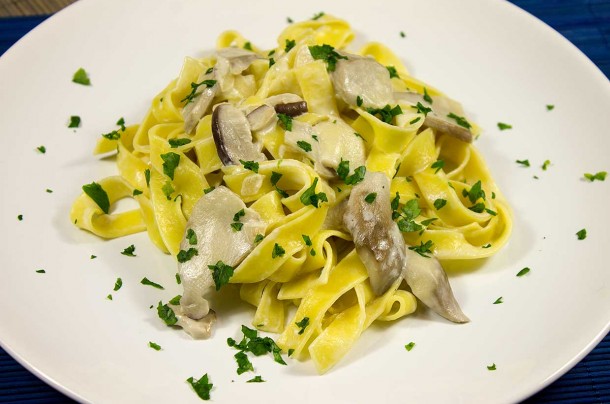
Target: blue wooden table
x,y
586,23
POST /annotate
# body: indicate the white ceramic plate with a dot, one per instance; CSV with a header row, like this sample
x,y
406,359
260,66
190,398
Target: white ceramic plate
x,y
503,65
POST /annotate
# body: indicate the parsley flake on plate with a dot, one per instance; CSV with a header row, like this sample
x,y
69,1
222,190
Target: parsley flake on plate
x,y
600,176
523,272
148,282
118,284
202,386
154,346
492,367
409,346
129,251
524,163
499,300
81,77
41,271
581,234
42,149
166,314
392,71
504,126
74,121
256,379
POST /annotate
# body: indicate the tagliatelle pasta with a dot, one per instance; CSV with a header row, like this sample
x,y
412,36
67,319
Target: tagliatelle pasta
x,y
444,200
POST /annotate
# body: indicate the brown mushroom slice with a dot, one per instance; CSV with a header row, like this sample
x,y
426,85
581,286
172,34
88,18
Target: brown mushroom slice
x,y
292,108
338,141
232,136
362,77
428,281
438,119
378,241
196,109
217,240
239,59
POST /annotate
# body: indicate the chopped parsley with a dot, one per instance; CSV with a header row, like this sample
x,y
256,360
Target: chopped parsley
x,y
549,107
81,77
278,251
170,162
114,135
343,171
546,164
174,143
392,71
154,346
237,226
524,163
74,121
460,120
600,176
258,238
523,272
385,114
178,279
166,314
410,211
307,240
221,273
248,46
302,324
117,284
359,101
409,346
427,97
194,86
423,248
136,192
317,15
20,217
415,120
488,245
208,190
148,282
147,176
243,363
402,34
109,297
202,386
476,192
285,121
184,256
304,145
250,165
581,234
129,251
271,62
290,43
438,165
421,108
499,300
175,300
237,216
42,149
504,126
326,53
41,271
121,123
309,196
492,367
440,203
289,20
257,345
275,177
98,195
370,198
478,207
256,379
93,257
191,236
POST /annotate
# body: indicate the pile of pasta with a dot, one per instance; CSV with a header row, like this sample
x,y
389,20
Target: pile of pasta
x,y
325,280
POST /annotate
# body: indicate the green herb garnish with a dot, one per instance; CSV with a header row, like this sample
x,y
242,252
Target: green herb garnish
x,y
427,97
202,386
492,367
166,314
129,251
385,114
423,248
370,198
302,324
359,101
600,176
168,189
524,163
194,86
499,300
546,164
392,71
309,196
81,77
504,126
317,15
191,236
460,120
256,379
278,251
250,165
74,121
170,162
221,273
421,108
41,271
304,145
438,165
326,53
184,256
290,43
285,121
148,282
582,234
174,143
409,346
440,203
98,195
118,284
42,149
523,272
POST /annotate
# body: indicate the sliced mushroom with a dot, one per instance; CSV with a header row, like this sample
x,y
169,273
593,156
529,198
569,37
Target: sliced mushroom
x,y
338,141
284,98
428,281
239,59
232,136
196,109
261,117
378,241
362,77
302,134
292,108
210,221
438,119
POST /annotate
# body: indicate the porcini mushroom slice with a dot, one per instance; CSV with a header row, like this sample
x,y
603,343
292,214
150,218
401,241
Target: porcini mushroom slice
x,y
338,141
195,109
292,108
239,59
365,78
378,241
428,281
438,119
261,117
216,240
301,140
232,136
284,98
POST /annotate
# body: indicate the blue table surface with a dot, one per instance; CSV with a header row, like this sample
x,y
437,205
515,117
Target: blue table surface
x,y
586,23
